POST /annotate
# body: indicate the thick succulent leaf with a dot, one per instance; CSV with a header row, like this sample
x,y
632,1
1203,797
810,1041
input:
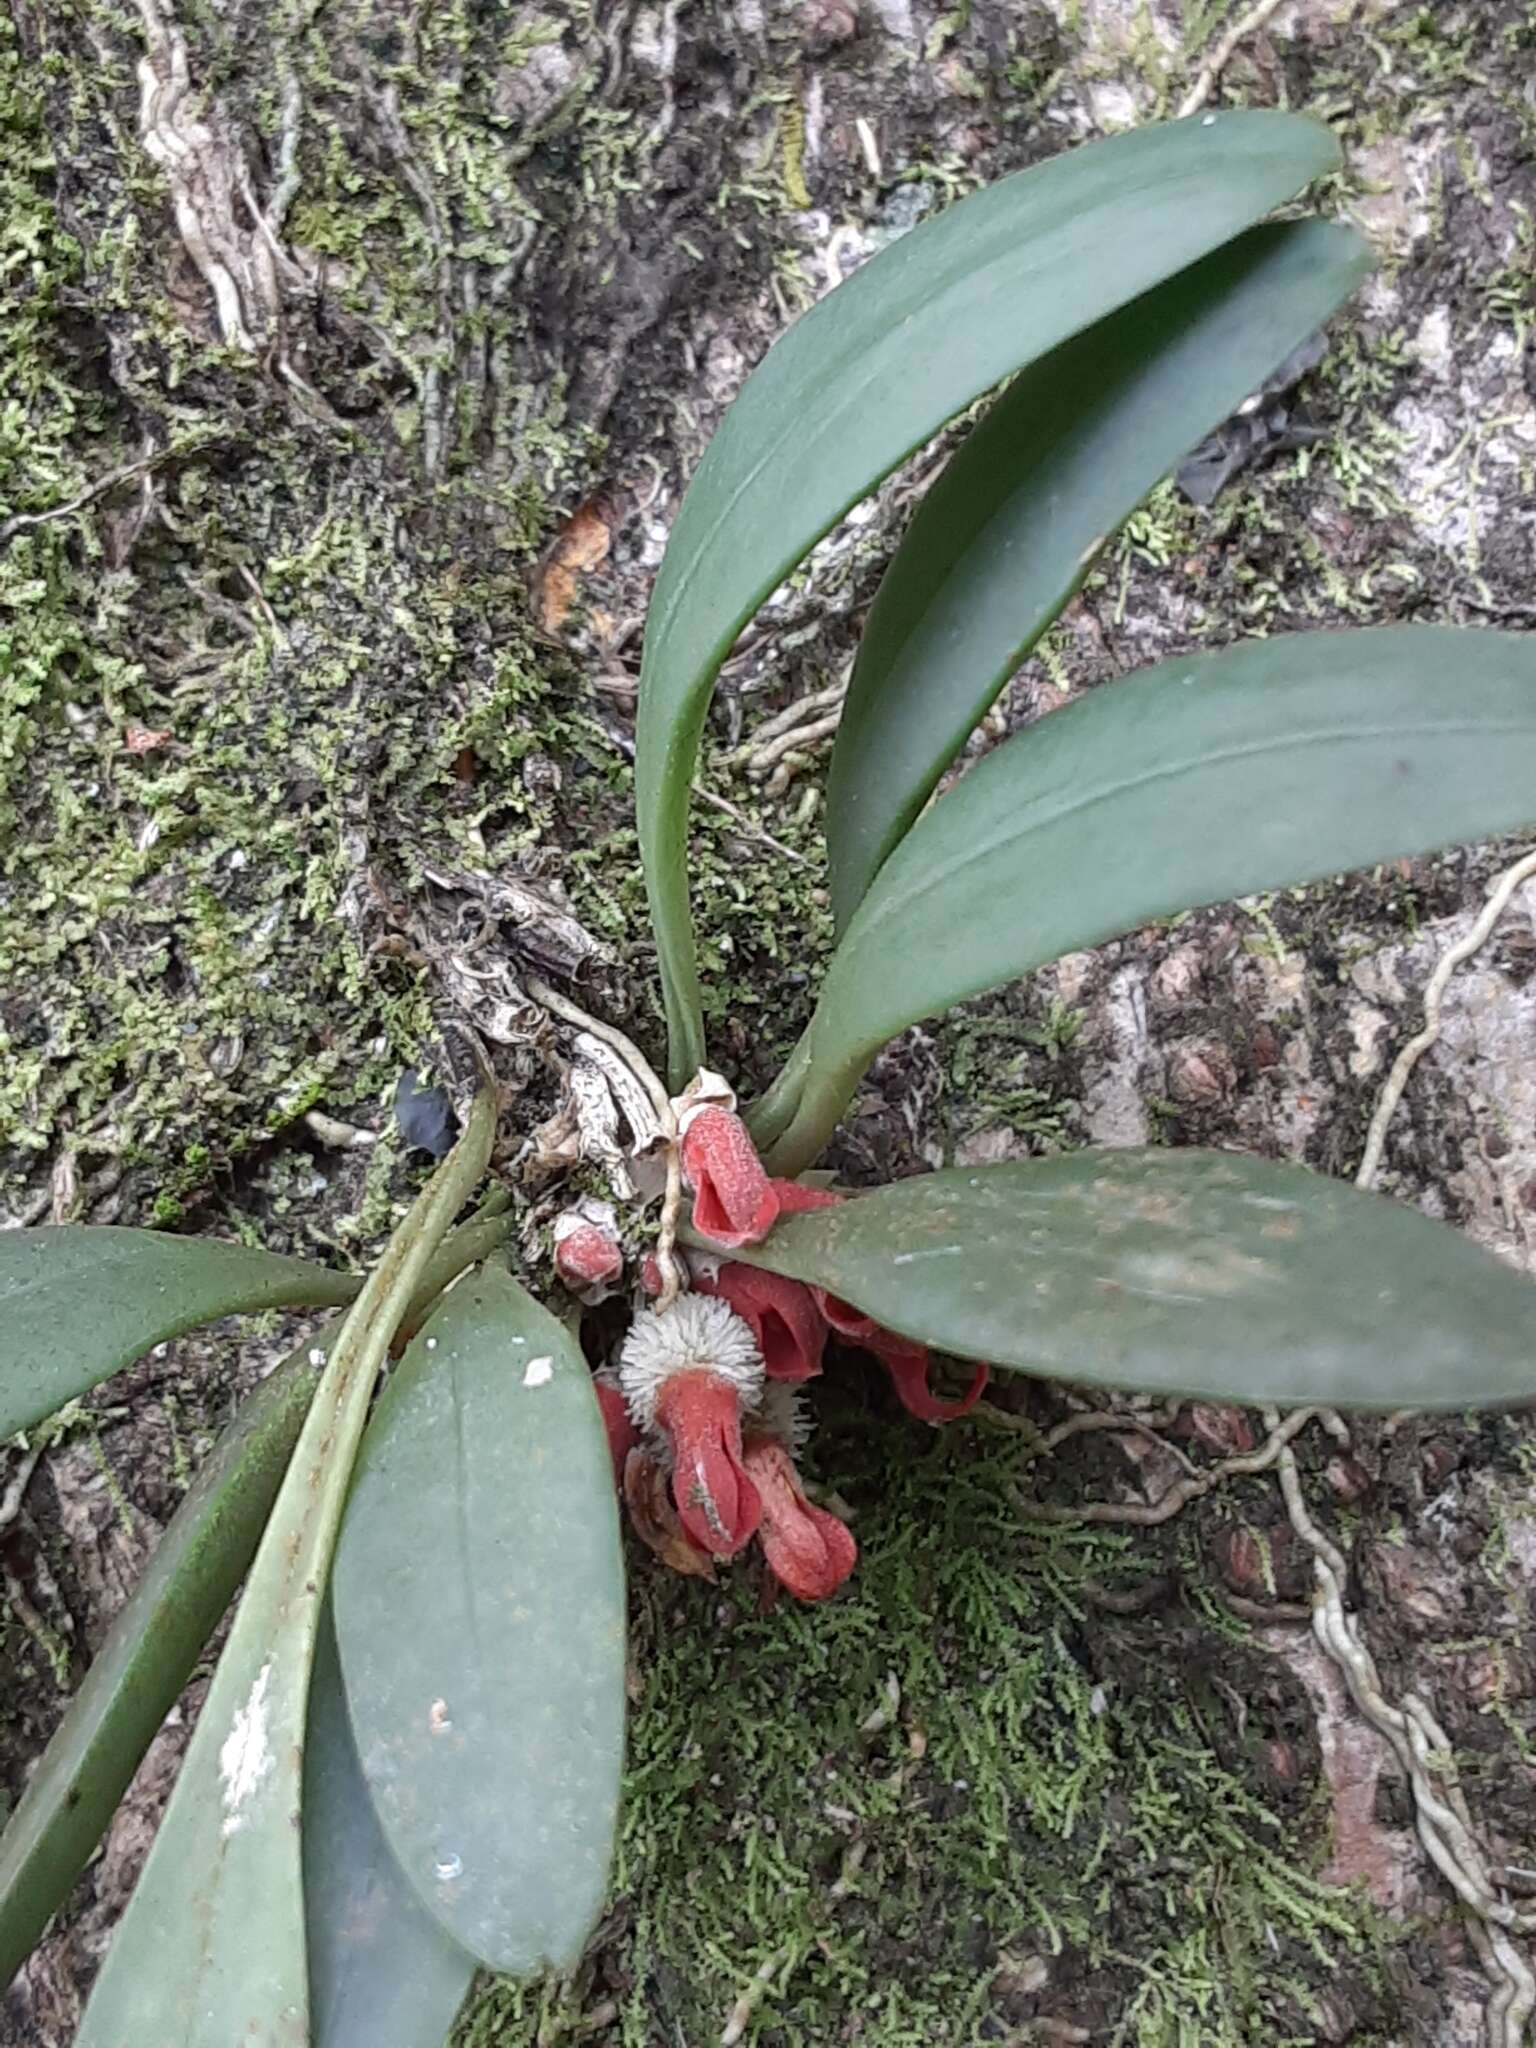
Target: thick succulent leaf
x,y
212,1945
1272,763
79,1302
1198,1273
479,1594
147,1657
922,330
382,1974
159,1633
1010,529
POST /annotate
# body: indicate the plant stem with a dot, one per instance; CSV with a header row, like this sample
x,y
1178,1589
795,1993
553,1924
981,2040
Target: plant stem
x,y
822,1102
770,1116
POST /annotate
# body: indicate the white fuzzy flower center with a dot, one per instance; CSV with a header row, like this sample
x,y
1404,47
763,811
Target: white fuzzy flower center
x,y
698,1333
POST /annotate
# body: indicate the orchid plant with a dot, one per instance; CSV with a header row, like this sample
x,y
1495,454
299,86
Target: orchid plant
x,y
425,1669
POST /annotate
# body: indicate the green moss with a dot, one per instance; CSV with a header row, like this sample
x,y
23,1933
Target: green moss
x,y
1009,1061
315,630
1048,1793
323,626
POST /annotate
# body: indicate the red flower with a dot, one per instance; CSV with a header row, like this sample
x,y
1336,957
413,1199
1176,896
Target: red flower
x,y
733,1201
850,1323
907,1364
904,1359
808,1550
622,1434
687,1376
586,1256
781,1314
700,1415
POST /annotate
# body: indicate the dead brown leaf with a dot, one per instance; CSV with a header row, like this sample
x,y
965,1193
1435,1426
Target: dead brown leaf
x,y
143,739
581,548
649,1500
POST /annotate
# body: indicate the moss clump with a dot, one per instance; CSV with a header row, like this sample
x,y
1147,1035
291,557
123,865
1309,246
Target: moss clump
x,y
241,682
957,1800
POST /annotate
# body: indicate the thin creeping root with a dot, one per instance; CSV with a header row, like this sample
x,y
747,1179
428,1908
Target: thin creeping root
x,y
1225,50
1434,992
1194,1485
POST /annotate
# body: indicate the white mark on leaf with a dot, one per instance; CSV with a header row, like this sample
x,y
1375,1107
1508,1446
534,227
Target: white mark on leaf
x,y
938,1251
316,1355
246,1756
540,1372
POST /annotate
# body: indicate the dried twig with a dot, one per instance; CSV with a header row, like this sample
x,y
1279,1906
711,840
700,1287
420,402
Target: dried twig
x,y
16,1488
20,521
750,825
1247,24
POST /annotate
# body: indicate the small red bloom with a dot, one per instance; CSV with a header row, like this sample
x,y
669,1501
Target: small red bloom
x,y
699,1413
622,1434
808,1550
907,1364
687,1375
586,1256
905,1360
781,1314
734,1202
850,1323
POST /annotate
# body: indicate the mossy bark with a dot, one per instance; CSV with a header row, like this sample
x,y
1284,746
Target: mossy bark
x,y
350,387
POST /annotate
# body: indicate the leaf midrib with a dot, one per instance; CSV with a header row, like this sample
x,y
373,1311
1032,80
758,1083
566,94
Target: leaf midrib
x,y
937,875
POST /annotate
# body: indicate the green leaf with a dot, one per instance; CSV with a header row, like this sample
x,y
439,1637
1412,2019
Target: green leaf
x,y
1270,764
1011,528
479,1594
155,1641
212,1946
1198,1273
78,1303
915,336
382,1974
147,1657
